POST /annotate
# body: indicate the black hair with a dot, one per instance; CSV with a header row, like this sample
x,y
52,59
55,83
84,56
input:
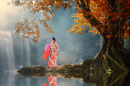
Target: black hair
x,y
53,38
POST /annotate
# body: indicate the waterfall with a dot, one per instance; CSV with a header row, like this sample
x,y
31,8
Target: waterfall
x,y
21,41
7,58
25,56
25,51
26,41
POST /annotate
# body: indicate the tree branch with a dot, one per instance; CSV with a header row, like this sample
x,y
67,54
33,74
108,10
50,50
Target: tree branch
x,y
92,19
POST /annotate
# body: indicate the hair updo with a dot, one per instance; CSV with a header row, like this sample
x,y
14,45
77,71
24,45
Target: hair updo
x,y
53,38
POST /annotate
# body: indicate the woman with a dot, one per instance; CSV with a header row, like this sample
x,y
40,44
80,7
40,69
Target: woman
x,y
54,53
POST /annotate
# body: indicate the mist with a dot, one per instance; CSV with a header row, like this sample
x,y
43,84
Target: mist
x,y
73,48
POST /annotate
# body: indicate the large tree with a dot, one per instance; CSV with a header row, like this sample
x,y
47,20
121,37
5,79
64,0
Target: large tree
x,y
107,17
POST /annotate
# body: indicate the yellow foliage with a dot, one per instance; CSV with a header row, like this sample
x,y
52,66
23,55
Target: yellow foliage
x,y
80,24
99,9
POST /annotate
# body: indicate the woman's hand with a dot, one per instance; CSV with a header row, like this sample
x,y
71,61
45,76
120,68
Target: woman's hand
x,y
50,60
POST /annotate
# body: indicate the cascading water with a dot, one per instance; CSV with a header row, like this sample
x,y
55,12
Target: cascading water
x,y
21,39
26,42
25,51
7,58
25,57
28,52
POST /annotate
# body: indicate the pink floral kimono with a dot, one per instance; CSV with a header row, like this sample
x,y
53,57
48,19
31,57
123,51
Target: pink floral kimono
x,y
53,55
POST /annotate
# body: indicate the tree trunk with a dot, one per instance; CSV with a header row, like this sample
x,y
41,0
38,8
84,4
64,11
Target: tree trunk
x,y
114,53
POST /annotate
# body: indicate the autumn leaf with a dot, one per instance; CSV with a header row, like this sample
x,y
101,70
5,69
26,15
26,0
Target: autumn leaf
x,y
69,6
100,14
77,5
108,36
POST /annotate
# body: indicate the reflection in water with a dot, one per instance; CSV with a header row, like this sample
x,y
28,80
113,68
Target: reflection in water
x,y
7,79
89,74
52,79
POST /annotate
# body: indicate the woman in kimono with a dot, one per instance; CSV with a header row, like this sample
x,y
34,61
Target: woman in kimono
x,y
54,53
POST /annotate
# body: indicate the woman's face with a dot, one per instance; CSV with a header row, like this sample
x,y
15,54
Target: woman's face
x,y
53,40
